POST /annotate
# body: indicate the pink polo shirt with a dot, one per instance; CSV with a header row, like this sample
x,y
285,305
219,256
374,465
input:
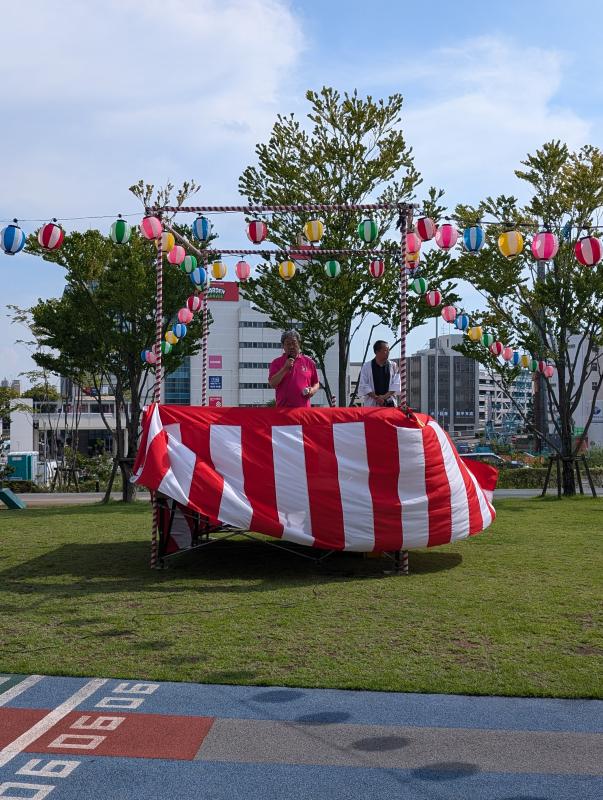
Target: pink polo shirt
x,y
289,392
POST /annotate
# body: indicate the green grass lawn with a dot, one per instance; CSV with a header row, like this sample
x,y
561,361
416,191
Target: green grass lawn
x,y
514,611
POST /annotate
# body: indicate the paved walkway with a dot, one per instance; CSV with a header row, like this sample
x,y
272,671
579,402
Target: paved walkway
x,y
78,738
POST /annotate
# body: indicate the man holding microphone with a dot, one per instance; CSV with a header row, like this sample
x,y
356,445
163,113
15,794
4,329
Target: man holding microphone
x,y
292,375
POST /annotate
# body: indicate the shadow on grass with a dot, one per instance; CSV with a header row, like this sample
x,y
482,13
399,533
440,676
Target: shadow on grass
x,y
80,569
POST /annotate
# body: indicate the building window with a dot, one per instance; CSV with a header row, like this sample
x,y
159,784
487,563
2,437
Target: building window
x,y
248,323
254,364
261,345
177,386
255,386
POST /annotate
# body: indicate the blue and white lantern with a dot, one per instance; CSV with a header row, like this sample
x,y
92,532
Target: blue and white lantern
x,y
461,323
12,239
202,229
198,278
179,330
473,238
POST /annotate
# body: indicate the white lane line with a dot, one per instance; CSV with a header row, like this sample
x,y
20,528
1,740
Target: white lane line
x,y
19,688
40,728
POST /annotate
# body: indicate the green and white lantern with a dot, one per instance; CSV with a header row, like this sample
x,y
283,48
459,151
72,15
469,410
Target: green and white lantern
x,y
189,264
332,269
419,285
166,348
487,339
368,230
120,231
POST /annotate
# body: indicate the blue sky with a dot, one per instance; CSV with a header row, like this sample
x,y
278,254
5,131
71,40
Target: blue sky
x,y
104,93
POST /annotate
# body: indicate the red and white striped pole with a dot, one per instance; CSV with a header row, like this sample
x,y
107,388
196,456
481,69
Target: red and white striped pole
x,y
205,357
405,220
157,389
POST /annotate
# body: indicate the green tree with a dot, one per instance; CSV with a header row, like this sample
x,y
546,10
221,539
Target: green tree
x,y
354,153
41,393
94,333
556,315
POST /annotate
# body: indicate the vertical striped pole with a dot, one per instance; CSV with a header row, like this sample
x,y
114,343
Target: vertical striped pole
x,y
157,390
405,218
204,340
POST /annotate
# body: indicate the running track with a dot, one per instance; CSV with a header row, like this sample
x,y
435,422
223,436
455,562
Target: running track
x,y
78,738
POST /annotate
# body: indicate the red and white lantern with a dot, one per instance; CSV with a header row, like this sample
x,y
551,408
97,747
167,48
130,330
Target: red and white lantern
x,y
433,298
496,348
588,251
194,303
51,235
544,246
176,254
449,313
446,236
426,228
243,270
377,268
413,243
257,231
151,227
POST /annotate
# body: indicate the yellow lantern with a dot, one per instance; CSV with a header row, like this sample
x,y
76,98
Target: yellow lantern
x,y
314,230
286,270
167,241
218,270
475,333
171,338
412,258
525,360
510,243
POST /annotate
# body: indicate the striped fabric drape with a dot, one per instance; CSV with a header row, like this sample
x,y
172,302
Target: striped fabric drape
x,y
362,479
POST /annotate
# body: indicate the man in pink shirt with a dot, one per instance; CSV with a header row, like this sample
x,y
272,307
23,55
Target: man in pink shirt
x,y
293,376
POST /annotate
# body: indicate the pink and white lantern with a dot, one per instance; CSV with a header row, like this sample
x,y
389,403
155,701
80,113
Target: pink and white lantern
x,y
413,243
185,315
433,298
446,236
243,270
544,246
548,371
151,227
507,353
449,313
176,254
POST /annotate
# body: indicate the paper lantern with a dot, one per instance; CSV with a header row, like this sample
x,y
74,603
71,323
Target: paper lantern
x,y
189,264
412,264
449,313
332,269
185,315
368,230
533,364
433,298
171,337
461,323
588,251
510,243
151,227
176,255
179,330
412,259
487,339
120,231
426,228
202,229
314,230
218,270
377,268
549,371
12,239
473,238
525,360
167,240
541,366
496,348
51,235
507,353
166,348
475,333
194,303
446,236
144,354
413,243
198,277
286,270
544,246
515,358
243,270
257,231
419,285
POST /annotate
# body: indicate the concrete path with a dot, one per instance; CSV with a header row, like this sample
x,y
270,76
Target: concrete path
x,y
75,738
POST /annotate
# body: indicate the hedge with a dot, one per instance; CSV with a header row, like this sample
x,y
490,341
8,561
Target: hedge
x,y
534,478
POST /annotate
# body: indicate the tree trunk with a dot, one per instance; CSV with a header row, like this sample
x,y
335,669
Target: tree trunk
x,y
128,492
107,496
568,478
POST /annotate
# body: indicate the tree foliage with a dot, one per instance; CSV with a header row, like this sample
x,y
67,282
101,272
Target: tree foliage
x,y
352,152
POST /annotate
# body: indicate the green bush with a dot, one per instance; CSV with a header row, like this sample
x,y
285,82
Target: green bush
x,y
534,478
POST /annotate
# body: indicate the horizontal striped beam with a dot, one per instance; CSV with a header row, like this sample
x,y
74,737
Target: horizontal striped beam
x,y
277,209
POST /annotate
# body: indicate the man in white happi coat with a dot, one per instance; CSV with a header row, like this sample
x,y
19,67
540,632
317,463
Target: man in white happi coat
x,y
379,381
